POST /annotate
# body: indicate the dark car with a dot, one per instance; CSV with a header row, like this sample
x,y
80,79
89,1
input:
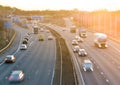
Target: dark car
x,y
9,59
16,76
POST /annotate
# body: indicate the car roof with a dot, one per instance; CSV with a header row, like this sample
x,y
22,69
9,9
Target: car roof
x,y
76,46
8,56
16,72
87,61
74,40
82,49
23,45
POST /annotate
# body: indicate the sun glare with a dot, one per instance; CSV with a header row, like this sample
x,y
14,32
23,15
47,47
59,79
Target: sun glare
x,y
87,5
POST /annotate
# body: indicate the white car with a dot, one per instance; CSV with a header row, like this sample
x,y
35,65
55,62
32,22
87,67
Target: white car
x,y
47,31
82,52
78,38
87,65
23,47
50,37
76,48
74,42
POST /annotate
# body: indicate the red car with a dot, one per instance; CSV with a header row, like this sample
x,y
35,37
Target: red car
x,y
9,59
16,76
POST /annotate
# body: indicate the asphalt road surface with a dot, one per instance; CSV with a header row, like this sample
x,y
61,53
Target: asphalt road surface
x,y
106,61
37,61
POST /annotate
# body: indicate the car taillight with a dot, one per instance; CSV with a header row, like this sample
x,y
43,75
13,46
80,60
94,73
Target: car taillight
x,y
11,77
18,78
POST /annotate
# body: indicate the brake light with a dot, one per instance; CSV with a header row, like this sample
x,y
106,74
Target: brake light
x,y
18,78
11,77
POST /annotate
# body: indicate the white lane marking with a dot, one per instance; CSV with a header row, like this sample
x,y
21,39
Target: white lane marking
x,y
115,48
18,45
61,63
2,63
31,43
107,80
97,67
53,74
101,73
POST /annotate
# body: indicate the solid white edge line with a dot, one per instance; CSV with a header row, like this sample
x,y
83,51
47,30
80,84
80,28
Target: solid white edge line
x,y
18,45
53,74
61,64
76,63
2,63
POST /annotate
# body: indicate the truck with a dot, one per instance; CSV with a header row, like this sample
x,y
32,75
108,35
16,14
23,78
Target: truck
x,y
82,32
73,29
35,29
100,40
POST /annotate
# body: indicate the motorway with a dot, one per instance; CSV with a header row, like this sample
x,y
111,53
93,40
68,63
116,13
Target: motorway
x,y
37,62
106,61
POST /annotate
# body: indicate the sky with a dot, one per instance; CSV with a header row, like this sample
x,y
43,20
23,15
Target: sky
x,y
84,5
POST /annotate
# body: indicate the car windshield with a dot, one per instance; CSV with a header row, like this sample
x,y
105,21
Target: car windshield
x,y
23,46
88,65
8,58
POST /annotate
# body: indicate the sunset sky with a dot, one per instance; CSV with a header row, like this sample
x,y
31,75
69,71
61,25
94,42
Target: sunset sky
x,y
86,5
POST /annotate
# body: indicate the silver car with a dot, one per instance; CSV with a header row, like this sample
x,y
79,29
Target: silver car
x,y
87,65
82,52
74,42
76,48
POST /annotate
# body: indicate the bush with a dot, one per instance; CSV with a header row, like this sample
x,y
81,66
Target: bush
x,y
1,25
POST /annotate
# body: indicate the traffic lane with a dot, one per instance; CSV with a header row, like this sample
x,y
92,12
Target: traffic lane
x,y
19,55
107,59
112,52
15,48
38,66
40,69
15,45
70,37
95,76
5,68
114,45
103,64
